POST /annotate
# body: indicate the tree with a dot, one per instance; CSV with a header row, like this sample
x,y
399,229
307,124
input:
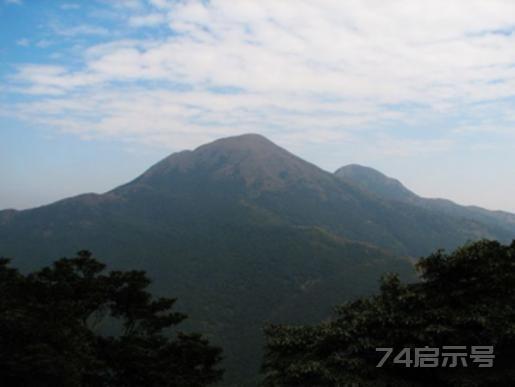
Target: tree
x,y
73,324
464,298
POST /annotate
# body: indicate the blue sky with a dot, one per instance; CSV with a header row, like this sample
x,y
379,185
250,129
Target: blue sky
x,y
94,92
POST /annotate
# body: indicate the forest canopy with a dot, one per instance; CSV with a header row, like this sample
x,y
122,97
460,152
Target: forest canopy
x,y
75,324
53,325
465,298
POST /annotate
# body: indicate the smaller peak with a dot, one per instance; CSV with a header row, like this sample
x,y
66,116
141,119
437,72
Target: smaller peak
x,y
355,169
376,182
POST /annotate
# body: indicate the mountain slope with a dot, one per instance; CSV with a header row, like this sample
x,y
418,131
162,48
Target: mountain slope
x,y
251,172
242,232
373,181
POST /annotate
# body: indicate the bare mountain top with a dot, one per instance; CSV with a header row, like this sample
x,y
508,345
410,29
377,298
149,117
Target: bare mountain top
x,y
252,158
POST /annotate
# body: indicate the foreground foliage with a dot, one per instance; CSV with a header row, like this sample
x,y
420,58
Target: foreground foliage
x,y
53,326
464,298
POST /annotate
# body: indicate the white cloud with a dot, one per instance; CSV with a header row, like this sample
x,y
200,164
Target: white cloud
x,y
14,2
70,6
43,43
150,20
83,29
127,4
325,70
24,42
410,147
161,4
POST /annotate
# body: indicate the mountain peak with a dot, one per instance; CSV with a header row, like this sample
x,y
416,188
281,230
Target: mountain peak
x,y
376,182
242,139
250,142
251,158
357,168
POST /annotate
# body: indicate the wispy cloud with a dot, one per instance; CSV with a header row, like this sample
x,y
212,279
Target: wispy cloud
x,y
149,20
24,42
84,29
43,43
70,6
327,69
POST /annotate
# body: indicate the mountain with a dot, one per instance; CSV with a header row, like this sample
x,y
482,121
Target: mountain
x,y
375,182
388,188
243,232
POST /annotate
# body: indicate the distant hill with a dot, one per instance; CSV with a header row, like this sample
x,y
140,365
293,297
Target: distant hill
x,y
243,232
373,181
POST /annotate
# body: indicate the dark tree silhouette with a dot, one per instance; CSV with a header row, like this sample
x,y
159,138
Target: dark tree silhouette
x,y
54,326
464,298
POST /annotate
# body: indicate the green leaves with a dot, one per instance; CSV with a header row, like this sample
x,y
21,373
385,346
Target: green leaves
x,y
50,324
464,298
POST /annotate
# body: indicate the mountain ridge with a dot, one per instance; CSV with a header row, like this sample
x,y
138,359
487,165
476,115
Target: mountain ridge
x,y
374,181
242,232
250,174
381,185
